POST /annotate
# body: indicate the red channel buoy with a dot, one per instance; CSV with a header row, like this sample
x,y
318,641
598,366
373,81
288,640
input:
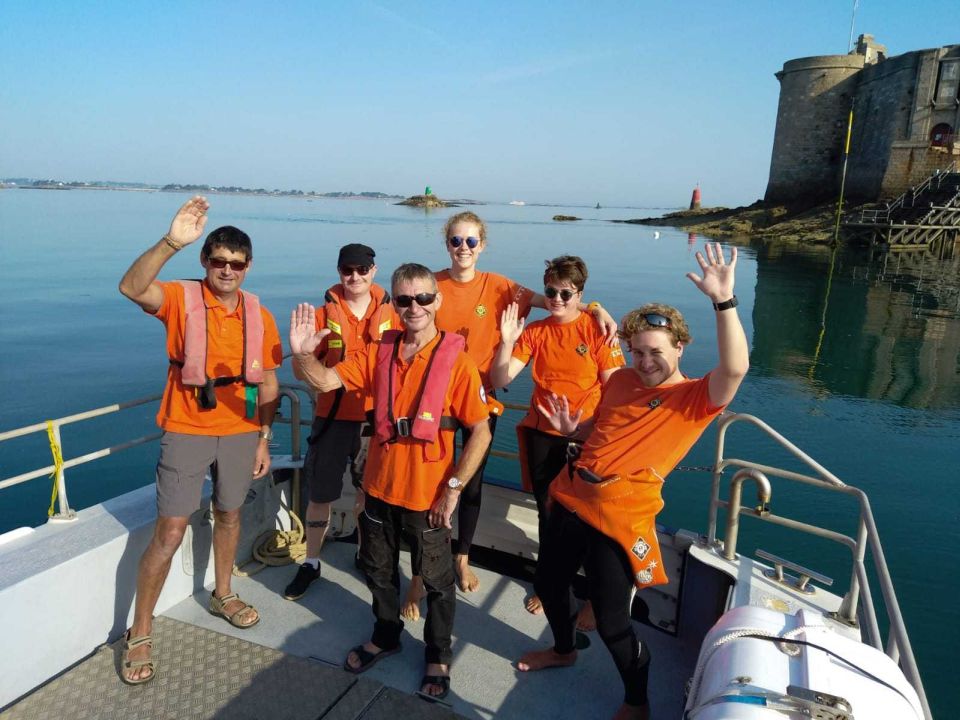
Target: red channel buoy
x,y
695,200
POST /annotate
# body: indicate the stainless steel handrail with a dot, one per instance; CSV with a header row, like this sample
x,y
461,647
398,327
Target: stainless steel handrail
x,y
64,512
859,595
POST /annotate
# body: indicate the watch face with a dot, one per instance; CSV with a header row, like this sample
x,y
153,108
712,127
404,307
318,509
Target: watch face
x,y
454,483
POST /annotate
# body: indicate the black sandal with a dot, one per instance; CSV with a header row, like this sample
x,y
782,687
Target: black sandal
x,y
441,680
367,658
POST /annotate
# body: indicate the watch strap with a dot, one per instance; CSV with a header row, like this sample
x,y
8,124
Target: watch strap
x,y
726,304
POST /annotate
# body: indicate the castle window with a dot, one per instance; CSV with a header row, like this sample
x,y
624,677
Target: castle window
x,y
948,83
941,135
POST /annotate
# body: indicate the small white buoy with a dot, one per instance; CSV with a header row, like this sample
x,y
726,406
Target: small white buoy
x,y
656,234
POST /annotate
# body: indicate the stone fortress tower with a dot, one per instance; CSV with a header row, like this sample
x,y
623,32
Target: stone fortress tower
x,y
906,122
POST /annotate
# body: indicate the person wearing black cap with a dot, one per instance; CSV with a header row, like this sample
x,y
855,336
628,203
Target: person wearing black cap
x,y
357,312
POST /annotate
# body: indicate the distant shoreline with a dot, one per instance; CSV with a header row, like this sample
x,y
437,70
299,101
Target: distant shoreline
x,y
193,189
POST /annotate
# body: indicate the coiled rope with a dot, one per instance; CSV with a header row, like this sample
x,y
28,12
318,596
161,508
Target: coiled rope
x,y
277,547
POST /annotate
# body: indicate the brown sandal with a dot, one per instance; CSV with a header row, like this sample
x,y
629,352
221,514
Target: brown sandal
x,y
217,608
127,664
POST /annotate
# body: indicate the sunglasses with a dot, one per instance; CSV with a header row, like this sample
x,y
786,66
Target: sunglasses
x,y
565,295
657,320
423,299
235,265
456,241
348,270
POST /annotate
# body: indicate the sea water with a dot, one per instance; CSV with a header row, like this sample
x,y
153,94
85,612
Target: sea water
x,y
855,357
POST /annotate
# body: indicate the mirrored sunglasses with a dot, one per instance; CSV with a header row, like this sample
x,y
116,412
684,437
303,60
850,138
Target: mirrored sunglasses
x,y
565,294
456,241
423,299
235,265
348,270
657,320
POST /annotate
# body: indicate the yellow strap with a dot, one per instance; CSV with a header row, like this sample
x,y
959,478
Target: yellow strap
x,y
57,466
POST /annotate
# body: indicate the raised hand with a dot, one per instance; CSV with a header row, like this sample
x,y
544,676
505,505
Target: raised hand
x,y
557,413
718,275
304,338
511,324
187,225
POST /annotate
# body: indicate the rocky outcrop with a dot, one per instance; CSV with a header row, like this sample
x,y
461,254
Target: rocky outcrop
x,y
771,222
565,218
425,201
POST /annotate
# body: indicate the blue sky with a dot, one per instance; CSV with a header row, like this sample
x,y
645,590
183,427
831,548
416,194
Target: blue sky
x,y
613,102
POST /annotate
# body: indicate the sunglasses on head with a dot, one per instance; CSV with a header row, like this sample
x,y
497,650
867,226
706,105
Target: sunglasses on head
x,y
456,241
423,299
565,294
657,320
348,270
235,265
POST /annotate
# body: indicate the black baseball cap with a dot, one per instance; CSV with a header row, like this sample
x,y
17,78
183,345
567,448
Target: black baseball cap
x,y
355,254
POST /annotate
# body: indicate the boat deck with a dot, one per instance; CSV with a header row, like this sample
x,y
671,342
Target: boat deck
x,y
288,666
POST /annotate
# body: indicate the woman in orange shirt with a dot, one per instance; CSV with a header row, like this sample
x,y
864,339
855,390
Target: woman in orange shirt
x,y
571,358
473,302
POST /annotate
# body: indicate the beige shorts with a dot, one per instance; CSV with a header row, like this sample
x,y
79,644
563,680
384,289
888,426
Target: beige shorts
x,y
183,465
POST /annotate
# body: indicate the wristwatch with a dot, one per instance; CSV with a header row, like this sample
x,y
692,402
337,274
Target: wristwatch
x,y
455,484
726,304
266,434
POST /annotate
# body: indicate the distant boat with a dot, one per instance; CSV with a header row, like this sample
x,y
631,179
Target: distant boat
x,y
597,207
517,202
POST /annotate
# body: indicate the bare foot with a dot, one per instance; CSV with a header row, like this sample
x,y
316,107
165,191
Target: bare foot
x,y
586,620
410,610
632,712
543,659
534,606
438,669
144,652
467,581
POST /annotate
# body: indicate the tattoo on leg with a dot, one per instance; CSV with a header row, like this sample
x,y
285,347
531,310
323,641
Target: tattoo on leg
x,y
317,523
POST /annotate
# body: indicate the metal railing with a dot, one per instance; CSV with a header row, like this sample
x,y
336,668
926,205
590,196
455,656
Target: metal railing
x,y
53,427
897,645
881,216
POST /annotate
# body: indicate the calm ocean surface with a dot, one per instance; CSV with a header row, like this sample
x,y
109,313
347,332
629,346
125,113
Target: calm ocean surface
x,y
862,372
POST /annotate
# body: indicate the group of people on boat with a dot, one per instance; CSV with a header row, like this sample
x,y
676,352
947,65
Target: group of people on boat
x,y
398,374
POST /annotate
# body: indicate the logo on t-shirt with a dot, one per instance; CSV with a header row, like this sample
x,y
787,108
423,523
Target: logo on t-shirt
x,y
582,349
483,396
480,310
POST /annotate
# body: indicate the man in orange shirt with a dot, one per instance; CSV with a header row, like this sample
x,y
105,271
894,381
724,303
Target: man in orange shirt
x,y
473,302
605,509
357,312
424,386
217,410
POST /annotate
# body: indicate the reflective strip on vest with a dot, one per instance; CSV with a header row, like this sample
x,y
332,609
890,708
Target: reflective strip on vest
x,y
193,371
426,423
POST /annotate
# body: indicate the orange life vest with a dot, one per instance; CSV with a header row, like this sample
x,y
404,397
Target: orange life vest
x,y
429,418
335,310
193,365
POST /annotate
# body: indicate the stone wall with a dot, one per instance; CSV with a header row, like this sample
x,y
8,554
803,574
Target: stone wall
x,y
911,162
894,106
815,98
882,114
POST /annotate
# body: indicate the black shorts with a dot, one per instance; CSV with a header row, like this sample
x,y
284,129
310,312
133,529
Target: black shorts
x,y
328,457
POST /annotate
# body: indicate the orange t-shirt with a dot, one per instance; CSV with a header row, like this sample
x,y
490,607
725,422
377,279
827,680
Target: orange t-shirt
x,y
179,409
409,472
473,310
646,428
358,335
568,359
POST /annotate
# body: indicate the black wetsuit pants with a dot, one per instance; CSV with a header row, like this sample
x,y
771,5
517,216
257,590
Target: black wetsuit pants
x,y
468,512
382,525
570,543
